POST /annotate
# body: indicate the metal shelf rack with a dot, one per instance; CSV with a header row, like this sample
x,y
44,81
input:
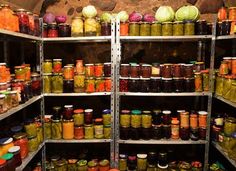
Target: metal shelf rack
x,y
164,94
19,35
78,39
80,141
77,94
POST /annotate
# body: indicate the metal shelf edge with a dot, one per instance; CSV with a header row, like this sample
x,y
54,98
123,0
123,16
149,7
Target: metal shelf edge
x,y
26,161
225,101
20,107
20,35
218,147
77,94
161,142
164,94
79,39
80,141
226,37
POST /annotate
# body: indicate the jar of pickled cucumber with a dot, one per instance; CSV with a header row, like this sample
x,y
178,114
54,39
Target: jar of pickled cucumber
x,y
219,85
77,27
90,85
146,119
72,164
205,80
141,162
20,72
189,28
88,131
230,126
47,78
145,29
156,29
33,143
227,84
123,162
125,118
167,29
106,117
48,128
56,129
136,118
98,128
82,165
233,92
57,83
134,29
90,27
39,132
107,131
78,117
79,83
47,66
178,28
30,128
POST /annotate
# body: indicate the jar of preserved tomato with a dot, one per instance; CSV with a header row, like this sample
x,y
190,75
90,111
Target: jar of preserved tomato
x,y
124,70
79,132
202,119
198,81
68,112
108,84
90,85
18,85
193,121
68,129
89,70
98,70
105,29
57,65
79,83
36,84
146,70
166,71
37,30
6,16
77,27
124,28
233,65
134,70
68,72
134,85
52,30
90,27
3,70
23,21
88,116
31,23
20,72
64,30
124,84
99,84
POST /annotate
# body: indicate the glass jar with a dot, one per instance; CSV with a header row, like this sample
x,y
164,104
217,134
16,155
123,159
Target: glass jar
x,y
89,70
20,72
33,143
3,86
82,165
104,165
178,84
107,69
184,133
108,84
205,80
135,133
39,131
92,166
227,84
8,157
178,28
166,117
202,119
88,116
124,70
233,93
105,29
72,164
146,119
167,29
23,20
166,71
198,81
107,131
68,72
134,85
20,139
155,84
15,150
188,70
157,132
196,165
79,132
68,86
3,105
229,126
124,28
124,84
57,65
145,29
201,27
30,128
193,121
57,83
194,134
175,128
47,66
177,70
52,30
61,165
14,98
155,70
185,166
125,133
226,27
79,67
125,118
134,29
184,119
56,112
144,84
31,23
90,85
189,28
146,71
79,83
106,117
122,162
202,133
98,70
64,30
99,84
98,128
141,162
132,163
3,165
37,28
27,72
68,129
35,84
56,129
156,117
18,85
167,84
78,117
88,131
135,70
77,27
136,118
156,29
45,30
90,27
189,84
234,65
68,112
48,128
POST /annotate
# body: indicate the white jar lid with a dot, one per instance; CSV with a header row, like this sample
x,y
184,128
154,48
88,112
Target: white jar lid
x,y
14,149
142,156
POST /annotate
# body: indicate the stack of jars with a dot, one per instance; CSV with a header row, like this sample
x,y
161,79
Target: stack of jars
x,y
17,88
159,124
155,161
164,77
62,164
177,28
19,21
17,147
77,124
224,132
225,79
89,78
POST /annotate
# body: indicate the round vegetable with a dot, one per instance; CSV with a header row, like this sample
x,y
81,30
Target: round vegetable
x,y
60,19
135,17
188,12
148,18
89,11
49,18
123,16
106,17
165,14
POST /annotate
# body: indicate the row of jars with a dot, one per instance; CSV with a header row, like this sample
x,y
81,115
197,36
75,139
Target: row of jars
x,y
19,21
155,161
62,164
167,70
177,28
225,27
198,83
228,66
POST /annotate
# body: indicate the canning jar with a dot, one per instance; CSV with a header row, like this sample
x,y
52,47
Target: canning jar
x,y
226,27
107,69
104,165
178,28
205,80
155,70
124,70
3,74
18,85
90,27
125,118
78,132
166,131
52,30
30,128
99,84
14,98
20,139
36,84
134,85
39,131
98,128
3,165
193,121
3,86
105,29
33,143
20,72
45,30
68,129
155,84
68,72
64,30
178,84
196,165
98,70
124,84
141,162
107,131
107,83
157,132
106,117
233,93
227,84
88,131
23,20
166,117
122,162
57,65
177,70
57,83
124,28
89,70
8,157
88,116
145,29
167,84
135,133
78,117
156,29
90,85
188,70
56,129
202,119
166,71
145,70
202,133
132,163
146,119
228,60
77,27
189,28
47,66
229,126
92,165
37,28
134,29
156,117
82,165
175,128
198,81
184,119
15,150
47,78
189,84
72,164
134,70
68,86
144,84
167,29
184,133
48,128
56,112
201,27
6,14
234,65
79,83
136,118
124,133
61,165
31,23
79,67
68,112
194,134
27,72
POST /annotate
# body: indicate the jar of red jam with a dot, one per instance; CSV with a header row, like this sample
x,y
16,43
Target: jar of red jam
x,y
188,70
166,71
134,70
20,139
88,116
64,30
52,30
124,70
79,132
31,23
107,69
146,70
105,29
37,30
176,70
36,84
155,84
45,30
98,70
15,150
156,70
166,117
23,20
68,112
124,84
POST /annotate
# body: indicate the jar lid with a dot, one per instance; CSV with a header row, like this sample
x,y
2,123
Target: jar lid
x,y
35,74
104,162
205,71
201,21
79,111
68,106
146,65
19,136
82,163
134,64
17,128
1,64
162,167
178,78
192,78
145,79
124,64
14,149
92,163
167,79
188,65
61,163
146,112
199,63
98,120
107,63
20,10
63,24
156,111
3,84
134,78
167,22
55,158
123,156
155,78
2,162
227,58
197,73
88,125
7,156
106,111
89,64
224,21
202,113
47,74
88,110
107,126
142,156
4,141
68,66
124,78
19,67
72,161
178,22
230,8
98,64
57,59
132,158
68,120
136,112
125,111
167,112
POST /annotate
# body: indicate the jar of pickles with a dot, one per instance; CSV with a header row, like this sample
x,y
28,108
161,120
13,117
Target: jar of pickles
x,y
107,131
78,117
167,29
125,118
90,85
89,70
77,27
146,119
178,28
48,128
99,85
156,29
98,128
82,165
79,83
47,66
189,28
136,118
57,83
47,80
56,129
61,165
141,162
20,72
106,116
33,143
205,80
227,84
229,126
30,128
134,29
90,27
88,131
145,29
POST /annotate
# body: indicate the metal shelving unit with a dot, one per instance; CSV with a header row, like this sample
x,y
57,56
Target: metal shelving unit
x,y
19,35
77,94
164,94
227,37
78,39
80,141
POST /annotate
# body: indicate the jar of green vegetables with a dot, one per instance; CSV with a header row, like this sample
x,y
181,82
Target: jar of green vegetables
x,y
167,29
61,165
141,162
47,128
82,165
189,28
230,126
125,118
219,85
233,92
88,131
47,66
106,117
178,28
39,132
79,83
227,86
47,88
33,143
136,118
146,119
156,29
134,29
145,29
122,162
184,166
78,117
72,165
57,83
30,128
56,129
107,131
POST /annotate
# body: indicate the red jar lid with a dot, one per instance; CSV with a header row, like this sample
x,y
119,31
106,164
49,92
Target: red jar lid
x,y
79,111
2,162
